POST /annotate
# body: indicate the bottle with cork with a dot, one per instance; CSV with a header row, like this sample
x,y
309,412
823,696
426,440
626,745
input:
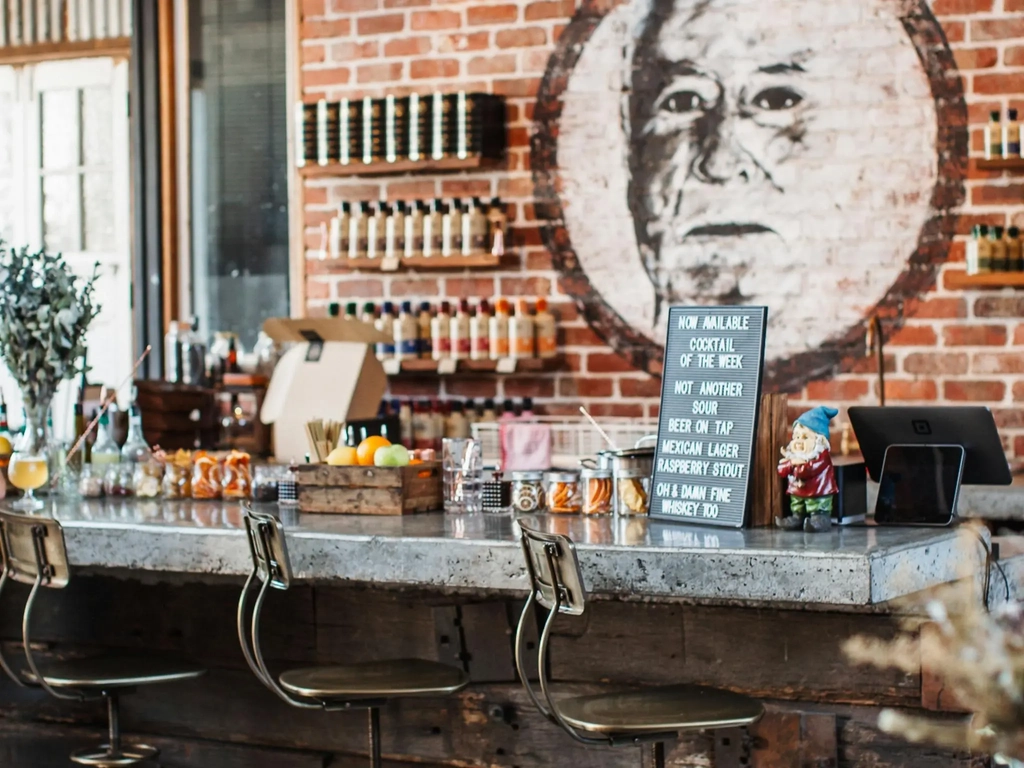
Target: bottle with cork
x,y
441,333
460,327
993,137
984,250
1011,135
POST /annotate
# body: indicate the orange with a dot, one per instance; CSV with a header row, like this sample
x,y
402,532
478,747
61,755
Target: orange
x,y
369,447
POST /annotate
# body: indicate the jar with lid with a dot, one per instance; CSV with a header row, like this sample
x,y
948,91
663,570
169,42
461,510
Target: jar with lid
x,y
119,480
528,491
178,478
264,487
597,491
236,476
90,482
206,482
147,479
564,495
632,489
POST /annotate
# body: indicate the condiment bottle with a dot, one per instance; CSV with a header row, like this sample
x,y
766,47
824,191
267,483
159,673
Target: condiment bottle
x,y
440,332
405,423
984,250
369,314
527,413
457,424
1014,251
489,415
394,245
172,353
232,358
474,229
999,263
339,231
334,309
460,332
432,230
993,137
498,224
544,325
377,232
520,332
357,231
135,449
350,310
193,356
499,331
422,426
508,410
438,417
105,450
451,228
413,243
479,332
385,324
971,251
407,333
1011,135
423,320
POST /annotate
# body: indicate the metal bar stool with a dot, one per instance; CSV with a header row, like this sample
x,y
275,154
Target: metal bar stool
x,y
366,686
648,715
32,551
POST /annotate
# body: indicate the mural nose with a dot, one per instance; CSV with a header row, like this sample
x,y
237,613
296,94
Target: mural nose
x,y
722,162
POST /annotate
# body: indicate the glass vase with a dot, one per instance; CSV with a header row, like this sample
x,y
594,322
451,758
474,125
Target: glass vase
x,y
29,467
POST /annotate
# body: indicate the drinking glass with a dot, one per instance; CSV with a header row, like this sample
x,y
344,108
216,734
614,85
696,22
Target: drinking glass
x,y
463,468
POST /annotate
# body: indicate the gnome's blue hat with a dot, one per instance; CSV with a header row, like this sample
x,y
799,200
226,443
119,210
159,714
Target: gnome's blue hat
x,y
817,419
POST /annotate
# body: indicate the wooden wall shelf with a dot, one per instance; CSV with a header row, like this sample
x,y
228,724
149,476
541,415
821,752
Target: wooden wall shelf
x,y
426,263
384,168
450,367
960,280
1002,164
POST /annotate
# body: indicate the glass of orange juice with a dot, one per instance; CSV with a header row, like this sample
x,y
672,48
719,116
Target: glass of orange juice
x,y
28,468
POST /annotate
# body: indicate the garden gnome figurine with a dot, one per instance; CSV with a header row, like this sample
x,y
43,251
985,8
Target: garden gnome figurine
x,y
807,464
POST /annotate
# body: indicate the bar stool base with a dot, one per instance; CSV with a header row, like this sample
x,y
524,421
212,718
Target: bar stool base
x,y
103,757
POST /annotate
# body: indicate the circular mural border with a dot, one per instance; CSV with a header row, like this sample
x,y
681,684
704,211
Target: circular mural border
x,y
841,352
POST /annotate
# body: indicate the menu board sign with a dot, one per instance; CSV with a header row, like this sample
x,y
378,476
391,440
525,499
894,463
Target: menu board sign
x,y
710,395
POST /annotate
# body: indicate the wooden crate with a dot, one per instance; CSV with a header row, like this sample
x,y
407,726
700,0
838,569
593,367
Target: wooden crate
x,y
370,490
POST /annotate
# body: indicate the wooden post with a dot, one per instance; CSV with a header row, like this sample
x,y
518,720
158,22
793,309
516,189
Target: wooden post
x,y
767,498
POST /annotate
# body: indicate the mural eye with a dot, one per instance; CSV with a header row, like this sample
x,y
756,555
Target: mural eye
x,y
681,102
777,98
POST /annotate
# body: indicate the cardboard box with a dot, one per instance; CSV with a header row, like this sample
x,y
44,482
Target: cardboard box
x,y
331,372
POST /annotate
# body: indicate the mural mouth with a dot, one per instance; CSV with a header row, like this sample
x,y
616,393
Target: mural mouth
x,y
729,229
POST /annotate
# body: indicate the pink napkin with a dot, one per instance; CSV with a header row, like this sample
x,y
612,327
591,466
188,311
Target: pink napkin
x,y
525,446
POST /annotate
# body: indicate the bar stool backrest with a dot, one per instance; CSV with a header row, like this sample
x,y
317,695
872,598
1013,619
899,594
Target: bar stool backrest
x,y
267,547
33,548
554,570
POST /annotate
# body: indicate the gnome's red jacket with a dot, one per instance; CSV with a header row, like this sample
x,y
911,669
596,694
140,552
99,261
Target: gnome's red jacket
x,y
813,479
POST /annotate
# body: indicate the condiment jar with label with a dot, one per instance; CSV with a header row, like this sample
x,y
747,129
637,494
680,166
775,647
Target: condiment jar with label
x,y
597,491
528,491
563,493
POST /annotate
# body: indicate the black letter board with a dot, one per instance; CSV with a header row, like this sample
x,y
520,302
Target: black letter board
x,y
710,396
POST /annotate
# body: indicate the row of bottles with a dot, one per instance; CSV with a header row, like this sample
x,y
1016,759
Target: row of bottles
x,y
989,250
413,229
468,333
424,423
417,128
1002,138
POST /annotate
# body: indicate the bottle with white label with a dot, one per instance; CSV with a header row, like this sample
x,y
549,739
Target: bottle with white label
x,y
520,332
474,228
499,331
413,237
451,229
423,320
357,231
339,231
386,325
394,245
461,346
432,230
407,334
546,333
480,332
498,222
441,333
376,232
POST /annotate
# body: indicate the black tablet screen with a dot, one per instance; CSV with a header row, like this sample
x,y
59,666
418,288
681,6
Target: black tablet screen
x,y
919,484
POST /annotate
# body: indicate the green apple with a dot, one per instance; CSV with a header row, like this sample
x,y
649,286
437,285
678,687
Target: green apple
x,y
391,456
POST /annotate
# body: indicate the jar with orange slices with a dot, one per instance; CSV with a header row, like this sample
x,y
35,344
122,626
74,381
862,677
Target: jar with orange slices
x,y
206,480
564,495
597,491
236,476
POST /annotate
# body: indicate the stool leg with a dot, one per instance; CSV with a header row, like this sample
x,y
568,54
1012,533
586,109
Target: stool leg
x,y
655,758
374,737
114,723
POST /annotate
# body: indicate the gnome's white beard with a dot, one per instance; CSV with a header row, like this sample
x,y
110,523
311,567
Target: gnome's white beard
x,y
804,457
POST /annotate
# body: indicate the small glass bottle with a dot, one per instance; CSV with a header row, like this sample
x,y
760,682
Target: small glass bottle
x,y
999,254
135,449
993,137
90,482
984,250
105,450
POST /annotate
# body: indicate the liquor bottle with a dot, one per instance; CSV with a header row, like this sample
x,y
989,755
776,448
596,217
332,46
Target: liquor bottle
x,y
136,449
105,449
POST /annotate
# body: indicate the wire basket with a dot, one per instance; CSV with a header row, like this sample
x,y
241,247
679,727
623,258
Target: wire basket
x,y
571,439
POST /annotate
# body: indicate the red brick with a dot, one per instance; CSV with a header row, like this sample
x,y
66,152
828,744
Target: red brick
x,y
1008,417
617,410
463,386
976,58
518,137
1018,335
936,363
492,14
528,287
1013,56
535,60
917,389
564,312
313,54
317,289
526,236
325,77
427,68
1018,391
1001,83
523,37
461,43
1018,446
332,28
349,50
314,218
407,46
380,25
579,337
436,20
414,287
515,187
359,288
572,362
913,335
379,73
1000,28
646,387
418,189
997,362
960,7
966,222
352,6
869,364
529,386
974,335
999,306
1013,5
607,363
937,307
492,65
550,9
313,8
539,260
585,387
406,3
466,188
974,390
998,194
412,387
469,287
955,31
837,389
315,195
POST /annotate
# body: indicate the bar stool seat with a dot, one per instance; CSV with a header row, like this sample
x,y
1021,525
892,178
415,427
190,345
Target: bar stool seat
x,y
670,708
113,672
375,679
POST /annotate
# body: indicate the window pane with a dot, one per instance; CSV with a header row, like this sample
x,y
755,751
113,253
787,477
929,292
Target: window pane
x,y
59,115
60,212
239,164
98,202
96,126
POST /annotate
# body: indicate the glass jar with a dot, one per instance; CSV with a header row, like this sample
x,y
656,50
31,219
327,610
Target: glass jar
x,y
206,482
236,476
147,479
119,480
29,466
178,479
597,491
564,495
90,482
264,487
632,492
528,491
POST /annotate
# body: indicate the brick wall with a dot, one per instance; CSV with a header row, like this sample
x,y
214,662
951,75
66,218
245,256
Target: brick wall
x,y
946,346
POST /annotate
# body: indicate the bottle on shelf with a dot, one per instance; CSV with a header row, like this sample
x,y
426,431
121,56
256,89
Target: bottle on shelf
x,y
993,137
357,231
527,412
234,424
520,332
451,228
1014,254
395,236
508,410
405,424
999,256
460,329
376,232
350,310
441,333
407,333
1011,135
423,320
547,334
499,327
472,415
385,324
422,426
438,417
369,314
498,222
193,356
334,309
136,449
413,237
172,352
105,450
81,456
339,232
489,414
480,331
432,229
231,362
475,228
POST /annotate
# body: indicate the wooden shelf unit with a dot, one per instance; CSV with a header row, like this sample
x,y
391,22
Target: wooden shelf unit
x,y
960,280
1001,164
384,168
436,367
425,263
